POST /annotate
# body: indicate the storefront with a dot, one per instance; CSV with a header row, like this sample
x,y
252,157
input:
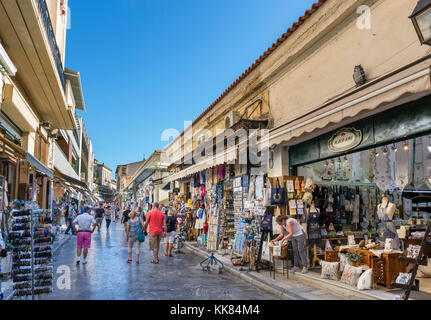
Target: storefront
x,y
371,180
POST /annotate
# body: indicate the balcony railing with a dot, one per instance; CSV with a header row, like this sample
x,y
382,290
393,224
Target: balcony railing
x,y
43,10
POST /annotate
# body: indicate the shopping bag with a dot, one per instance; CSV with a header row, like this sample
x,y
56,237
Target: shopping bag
x,y
278,194
266,223
267,197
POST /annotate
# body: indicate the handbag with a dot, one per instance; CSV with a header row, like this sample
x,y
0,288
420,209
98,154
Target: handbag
x,y
141,236
266,223
278,195
267,197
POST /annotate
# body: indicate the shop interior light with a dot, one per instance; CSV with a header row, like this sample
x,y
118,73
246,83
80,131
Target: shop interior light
x,y
376,153
326,163
385,151
406,146
394,148
332,162
339,160
345,159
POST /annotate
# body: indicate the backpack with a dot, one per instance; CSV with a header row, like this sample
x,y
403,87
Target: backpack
x,y
171,223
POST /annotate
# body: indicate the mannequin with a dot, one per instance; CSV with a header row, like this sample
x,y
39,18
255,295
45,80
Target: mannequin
x,y
308,196
386,228
386,208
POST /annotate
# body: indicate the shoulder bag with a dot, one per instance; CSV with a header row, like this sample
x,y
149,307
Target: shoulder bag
x,y
278,195
141,236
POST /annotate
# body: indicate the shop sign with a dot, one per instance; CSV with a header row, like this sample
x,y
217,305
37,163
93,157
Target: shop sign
x,y
344,140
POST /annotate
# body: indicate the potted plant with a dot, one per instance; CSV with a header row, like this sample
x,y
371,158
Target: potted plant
x,y
354,258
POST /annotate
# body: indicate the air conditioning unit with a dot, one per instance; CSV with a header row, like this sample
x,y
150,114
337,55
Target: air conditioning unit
x,y
231,118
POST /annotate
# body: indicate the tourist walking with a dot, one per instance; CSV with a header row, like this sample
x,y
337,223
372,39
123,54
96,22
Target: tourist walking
x,y
100,212
108,216
294,231
171,224
132,232
69,220
125,217
86,225
157,227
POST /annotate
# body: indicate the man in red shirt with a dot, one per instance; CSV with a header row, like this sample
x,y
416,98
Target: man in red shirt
x,y
157,222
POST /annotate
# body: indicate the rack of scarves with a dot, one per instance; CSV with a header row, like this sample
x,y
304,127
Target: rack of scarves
x,y
32,252
346,204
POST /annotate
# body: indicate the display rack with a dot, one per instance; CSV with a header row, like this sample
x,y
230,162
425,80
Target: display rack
x,y
32,253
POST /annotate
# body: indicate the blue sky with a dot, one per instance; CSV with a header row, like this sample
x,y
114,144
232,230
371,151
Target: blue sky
x,y
150,65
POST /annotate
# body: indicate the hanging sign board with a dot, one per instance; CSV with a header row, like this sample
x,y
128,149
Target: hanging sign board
x,y
344,140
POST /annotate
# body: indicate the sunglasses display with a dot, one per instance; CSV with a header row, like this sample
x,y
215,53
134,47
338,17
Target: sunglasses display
x,y
32,253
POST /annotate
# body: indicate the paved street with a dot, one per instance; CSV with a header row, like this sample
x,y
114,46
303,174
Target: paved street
x,y
108,276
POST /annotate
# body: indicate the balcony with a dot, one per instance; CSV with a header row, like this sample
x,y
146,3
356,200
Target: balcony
x,y
46,21
28,37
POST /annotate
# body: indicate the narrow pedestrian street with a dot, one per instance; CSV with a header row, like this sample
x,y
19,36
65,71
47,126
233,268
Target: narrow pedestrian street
x,y
107,276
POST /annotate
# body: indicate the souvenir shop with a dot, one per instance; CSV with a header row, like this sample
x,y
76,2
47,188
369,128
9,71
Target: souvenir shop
x,y
366,194
223,207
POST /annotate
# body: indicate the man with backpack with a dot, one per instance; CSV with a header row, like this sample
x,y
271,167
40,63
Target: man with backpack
x,y
171,224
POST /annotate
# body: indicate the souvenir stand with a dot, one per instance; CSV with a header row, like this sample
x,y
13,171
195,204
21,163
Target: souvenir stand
x,y
373,207
32,251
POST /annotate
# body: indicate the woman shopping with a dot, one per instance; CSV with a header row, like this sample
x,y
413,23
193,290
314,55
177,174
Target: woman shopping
x,y
296,233
132,233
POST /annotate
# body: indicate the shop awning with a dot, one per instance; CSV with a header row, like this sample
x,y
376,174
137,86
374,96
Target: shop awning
x,y
407,85
39,166
78,184
225,157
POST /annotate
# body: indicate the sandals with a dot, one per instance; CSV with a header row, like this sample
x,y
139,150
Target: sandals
x,y
155,262
129,261
137,261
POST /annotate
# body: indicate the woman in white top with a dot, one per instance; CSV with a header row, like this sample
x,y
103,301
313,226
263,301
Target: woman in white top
x,y
295,232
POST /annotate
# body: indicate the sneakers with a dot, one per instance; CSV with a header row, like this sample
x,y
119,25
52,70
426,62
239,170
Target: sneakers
x,y
294,269
304,270
84,261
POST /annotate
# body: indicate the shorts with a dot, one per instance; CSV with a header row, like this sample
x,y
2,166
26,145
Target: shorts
x,y
134,241
171,237
99,221
155,241
84,240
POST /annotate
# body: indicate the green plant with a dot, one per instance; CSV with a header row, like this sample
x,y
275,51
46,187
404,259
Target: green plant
x,y
354,257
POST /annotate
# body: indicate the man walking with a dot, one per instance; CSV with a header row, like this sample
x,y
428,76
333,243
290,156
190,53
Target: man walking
x,y
108,216
125,217
157,222
69,220
100,212
86,225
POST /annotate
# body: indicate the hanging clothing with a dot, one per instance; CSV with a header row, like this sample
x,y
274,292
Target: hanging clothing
x,y
220,172
356,206
387,230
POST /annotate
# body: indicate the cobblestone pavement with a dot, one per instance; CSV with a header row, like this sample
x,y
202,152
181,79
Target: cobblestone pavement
x,y
108,276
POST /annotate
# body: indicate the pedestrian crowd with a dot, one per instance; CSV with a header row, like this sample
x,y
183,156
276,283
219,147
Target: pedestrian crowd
x,y
156,224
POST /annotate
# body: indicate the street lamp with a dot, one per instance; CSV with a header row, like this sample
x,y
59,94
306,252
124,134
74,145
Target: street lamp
x,y
421,18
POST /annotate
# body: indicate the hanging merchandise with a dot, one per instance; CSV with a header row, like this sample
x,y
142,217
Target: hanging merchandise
x,y
278,194
266,222
220,172
259,188
267,195
313,231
